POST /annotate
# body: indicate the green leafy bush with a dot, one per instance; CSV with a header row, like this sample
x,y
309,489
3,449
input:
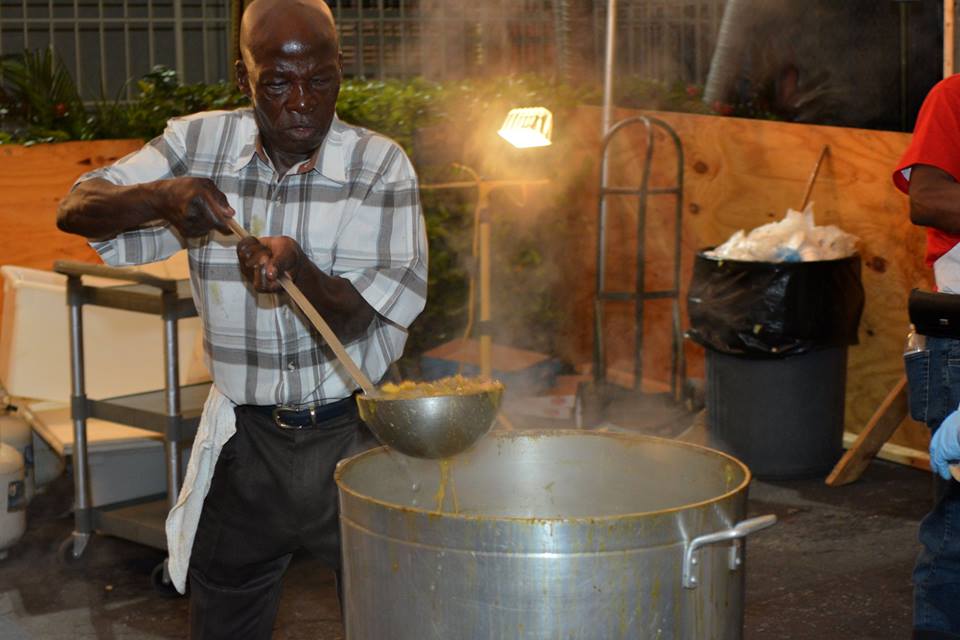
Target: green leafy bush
x,y
161,97
40,96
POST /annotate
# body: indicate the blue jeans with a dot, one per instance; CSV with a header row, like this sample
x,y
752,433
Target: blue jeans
x,y
934,382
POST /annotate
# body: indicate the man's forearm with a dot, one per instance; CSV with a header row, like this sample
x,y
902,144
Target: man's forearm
x,y
337,300
99,209
934,199
940,216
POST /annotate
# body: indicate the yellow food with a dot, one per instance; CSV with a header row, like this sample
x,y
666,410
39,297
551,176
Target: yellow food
x,y
451,386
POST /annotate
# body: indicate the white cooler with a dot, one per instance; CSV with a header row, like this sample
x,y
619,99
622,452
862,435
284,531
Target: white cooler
x,y
126,463
123,354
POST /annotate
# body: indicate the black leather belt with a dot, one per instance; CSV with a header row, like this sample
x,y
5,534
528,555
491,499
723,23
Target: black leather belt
x,y
309,417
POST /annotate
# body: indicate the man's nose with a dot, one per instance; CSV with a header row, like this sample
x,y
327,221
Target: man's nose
x,y
301,98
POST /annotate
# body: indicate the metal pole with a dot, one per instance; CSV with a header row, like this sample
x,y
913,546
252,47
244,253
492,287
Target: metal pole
x,y
78,77
382,42
949,36
178,38
608,68
404,72
171,367
486,340
52,35
83,512
904,62
128,73
103,50
151,56
599,353
205,38
26,34
361,70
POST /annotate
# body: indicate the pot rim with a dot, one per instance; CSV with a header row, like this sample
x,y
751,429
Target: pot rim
x,y
538,433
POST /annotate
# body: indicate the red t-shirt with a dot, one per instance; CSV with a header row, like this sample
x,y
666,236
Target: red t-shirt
x,y
936,142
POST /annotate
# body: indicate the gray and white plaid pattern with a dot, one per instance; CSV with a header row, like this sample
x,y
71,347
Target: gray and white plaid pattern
x,y
355,210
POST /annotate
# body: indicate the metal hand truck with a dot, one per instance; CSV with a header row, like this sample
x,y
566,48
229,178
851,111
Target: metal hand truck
x,y
595,398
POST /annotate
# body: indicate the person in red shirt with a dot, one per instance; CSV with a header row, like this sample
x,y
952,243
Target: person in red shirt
x,y
929,173
929,170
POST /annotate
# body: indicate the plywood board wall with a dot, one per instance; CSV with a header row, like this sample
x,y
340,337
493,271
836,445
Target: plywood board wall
x,y
32,182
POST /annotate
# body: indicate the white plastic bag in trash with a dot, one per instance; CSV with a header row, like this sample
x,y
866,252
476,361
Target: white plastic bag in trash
x,y
794,239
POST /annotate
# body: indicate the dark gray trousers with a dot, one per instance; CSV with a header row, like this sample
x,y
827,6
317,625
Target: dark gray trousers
x,y
272,494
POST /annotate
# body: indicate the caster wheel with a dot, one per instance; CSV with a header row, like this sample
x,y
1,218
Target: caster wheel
x,y
66,554
694,394
589,406
161,583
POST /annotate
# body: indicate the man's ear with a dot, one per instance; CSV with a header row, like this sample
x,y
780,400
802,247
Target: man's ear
x,y
243,78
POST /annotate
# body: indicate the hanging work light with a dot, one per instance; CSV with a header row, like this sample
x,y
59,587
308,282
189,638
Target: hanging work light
x,y
528,127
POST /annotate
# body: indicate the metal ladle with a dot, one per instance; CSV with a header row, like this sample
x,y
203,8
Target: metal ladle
x,y
433,426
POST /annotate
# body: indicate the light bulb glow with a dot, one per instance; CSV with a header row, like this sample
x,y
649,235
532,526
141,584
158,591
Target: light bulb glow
x,y
528,127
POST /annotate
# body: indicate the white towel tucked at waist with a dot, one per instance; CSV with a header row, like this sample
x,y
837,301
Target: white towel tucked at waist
x,y
218,423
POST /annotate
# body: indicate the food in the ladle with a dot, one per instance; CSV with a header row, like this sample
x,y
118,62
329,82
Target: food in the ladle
x,y
450,386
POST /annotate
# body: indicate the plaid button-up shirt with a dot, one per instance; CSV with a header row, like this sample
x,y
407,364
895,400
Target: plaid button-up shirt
x,y
353,207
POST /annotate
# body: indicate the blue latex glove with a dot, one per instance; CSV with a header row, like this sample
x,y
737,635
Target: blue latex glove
x,y
945,445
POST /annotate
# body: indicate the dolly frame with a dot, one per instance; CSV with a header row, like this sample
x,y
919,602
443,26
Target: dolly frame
x,y
640,295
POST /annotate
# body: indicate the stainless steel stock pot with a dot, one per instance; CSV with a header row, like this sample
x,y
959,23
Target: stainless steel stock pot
x,y
541,535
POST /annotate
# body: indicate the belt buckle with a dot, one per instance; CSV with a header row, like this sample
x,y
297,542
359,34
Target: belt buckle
x,y
283,425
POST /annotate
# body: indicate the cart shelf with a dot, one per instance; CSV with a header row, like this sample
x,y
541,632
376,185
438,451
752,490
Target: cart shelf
x,y
173,411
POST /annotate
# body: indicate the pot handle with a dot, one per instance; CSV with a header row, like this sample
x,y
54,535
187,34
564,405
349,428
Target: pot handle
x,y
737,533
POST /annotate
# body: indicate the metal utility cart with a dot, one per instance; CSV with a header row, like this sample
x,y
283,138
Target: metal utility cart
x,y
173,411
597,397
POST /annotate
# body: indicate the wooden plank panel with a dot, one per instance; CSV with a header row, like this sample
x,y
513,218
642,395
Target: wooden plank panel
x,y
871,439
32,182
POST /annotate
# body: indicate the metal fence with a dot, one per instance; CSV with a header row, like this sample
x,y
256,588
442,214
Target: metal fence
x,y
108,42
667,40
445,39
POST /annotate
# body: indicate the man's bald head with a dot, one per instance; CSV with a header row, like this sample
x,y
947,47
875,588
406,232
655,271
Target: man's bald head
x,y
291,68
269,23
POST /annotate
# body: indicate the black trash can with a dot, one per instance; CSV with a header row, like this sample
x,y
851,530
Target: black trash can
x,y
776,338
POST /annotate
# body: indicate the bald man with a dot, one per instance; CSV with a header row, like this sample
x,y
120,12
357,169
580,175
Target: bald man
x,y
336,207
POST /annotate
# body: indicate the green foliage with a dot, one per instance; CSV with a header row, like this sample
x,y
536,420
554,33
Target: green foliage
x,y
394,108
39,98
163,97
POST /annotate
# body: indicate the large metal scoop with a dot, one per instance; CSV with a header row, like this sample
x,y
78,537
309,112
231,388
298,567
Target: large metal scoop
x,y
430,426
433,426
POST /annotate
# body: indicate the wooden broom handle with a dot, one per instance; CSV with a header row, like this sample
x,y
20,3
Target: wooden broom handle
x,y
316,320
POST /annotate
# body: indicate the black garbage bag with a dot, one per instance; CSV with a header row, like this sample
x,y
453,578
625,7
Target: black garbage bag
x,y
774,309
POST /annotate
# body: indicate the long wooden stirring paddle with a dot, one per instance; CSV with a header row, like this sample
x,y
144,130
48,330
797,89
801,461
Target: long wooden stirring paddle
x,y
316,320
